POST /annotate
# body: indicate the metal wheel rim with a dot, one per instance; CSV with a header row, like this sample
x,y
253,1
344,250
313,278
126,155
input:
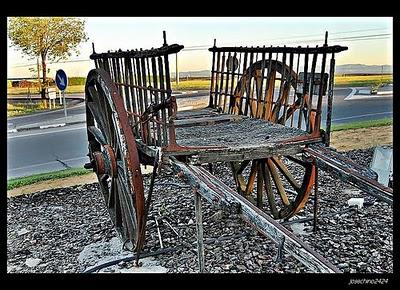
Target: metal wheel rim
x,y
124,192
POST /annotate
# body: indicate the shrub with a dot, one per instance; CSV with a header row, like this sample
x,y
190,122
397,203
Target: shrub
x,y
74,81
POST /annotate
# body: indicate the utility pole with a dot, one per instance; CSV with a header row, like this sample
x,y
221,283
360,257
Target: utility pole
x,y
176,70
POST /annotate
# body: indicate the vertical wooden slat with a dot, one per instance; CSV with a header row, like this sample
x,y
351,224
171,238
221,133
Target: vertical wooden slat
x,y
295,91
247,90
163,111
305,90
231,96
130,81
212,89
310,109
119,78
243,84
128,97
141,97
265,113
157,99
171,112
321,87
330,101
281,94
218,73
253,97
289,85
145,96
222,81
259,87
226,85
270,88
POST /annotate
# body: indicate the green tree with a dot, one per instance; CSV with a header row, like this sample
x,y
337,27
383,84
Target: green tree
x,y
50,38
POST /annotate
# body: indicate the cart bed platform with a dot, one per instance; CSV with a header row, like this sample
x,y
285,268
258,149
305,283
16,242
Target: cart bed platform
x,y
214,136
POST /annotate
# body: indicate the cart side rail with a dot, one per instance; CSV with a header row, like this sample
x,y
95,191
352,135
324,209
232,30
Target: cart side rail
x,y
274,83
142,78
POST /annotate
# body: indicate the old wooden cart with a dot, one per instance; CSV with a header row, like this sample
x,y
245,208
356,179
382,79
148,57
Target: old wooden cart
x,y
265,112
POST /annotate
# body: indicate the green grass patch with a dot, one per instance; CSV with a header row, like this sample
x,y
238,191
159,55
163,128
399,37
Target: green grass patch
x,y
362,124
194,84
71,89
20,109
27,180
362,81
76,89
22,91
75,81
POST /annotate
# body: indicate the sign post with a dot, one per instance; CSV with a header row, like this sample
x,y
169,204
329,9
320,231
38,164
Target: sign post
x,y
62,83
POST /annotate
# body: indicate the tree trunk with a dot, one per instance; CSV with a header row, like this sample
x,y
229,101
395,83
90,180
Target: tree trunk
x,y
43,92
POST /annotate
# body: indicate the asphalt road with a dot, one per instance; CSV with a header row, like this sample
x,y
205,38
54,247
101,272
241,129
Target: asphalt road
x,y
45,150
75,106
51,149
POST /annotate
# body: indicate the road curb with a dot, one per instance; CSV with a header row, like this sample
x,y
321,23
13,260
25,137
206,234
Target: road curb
x,y
44,126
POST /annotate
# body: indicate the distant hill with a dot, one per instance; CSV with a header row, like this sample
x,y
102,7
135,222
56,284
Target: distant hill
x,y
363,69
196,74
340,69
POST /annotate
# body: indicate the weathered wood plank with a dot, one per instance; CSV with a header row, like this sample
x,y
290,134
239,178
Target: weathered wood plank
x,y
350,172
216,192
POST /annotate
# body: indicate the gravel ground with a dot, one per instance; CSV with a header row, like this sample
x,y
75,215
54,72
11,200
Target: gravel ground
x,y
47,231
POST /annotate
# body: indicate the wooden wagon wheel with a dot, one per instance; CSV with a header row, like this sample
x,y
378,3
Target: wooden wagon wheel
x,y
260,102
114,156
271,172
286,194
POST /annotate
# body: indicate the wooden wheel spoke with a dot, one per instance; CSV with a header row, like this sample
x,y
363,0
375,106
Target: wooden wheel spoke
x,y
101,99
111,196
268,189
98,135
93,108
284,170
252,177
278,183
260,182
130,219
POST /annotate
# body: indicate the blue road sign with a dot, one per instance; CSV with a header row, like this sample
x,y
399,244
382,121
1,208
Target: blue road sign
x,y
61,80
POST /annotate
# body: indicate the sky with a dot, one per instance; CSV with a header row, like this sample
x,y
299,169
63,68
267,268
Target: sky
x,y
369,39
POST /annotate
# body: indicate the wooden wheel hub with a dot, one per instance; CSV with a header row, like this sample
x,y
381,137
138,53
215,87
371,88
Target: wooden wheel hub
x,y
105,162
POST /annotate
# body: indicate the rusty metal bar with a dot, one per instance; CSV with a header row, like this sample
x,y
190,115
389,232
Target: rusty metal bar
x,y
163,112
168,49
350,172
218,73
216,192
299,49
